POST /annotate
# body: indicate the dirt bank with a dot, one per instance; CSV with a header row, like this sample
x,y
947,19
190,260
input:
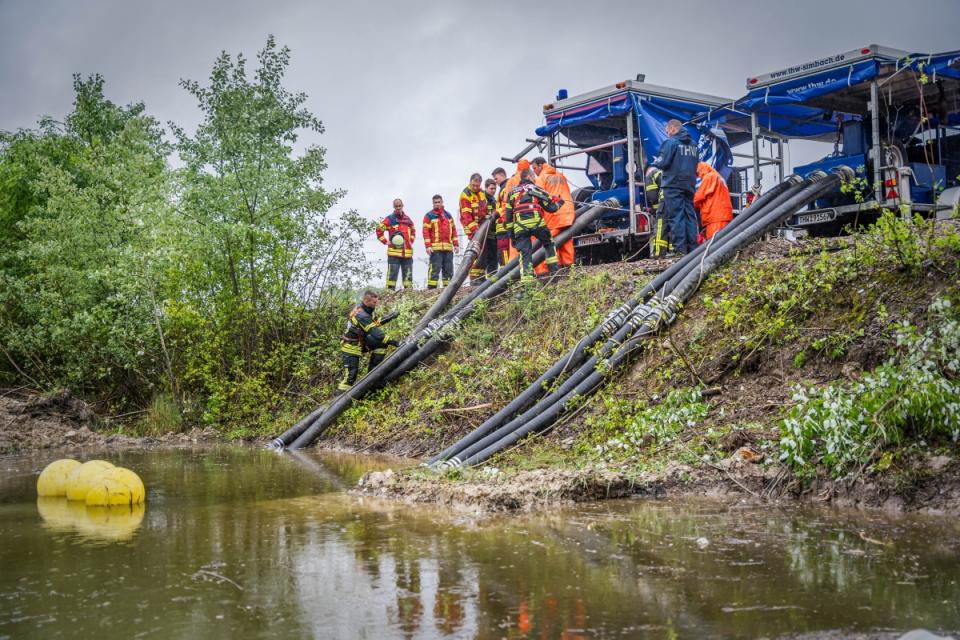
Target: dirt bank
x,y
31,421
935,486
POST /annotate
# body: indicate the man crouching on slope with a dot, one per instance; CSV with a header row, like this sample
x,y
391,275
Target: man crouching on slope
x,y
364,334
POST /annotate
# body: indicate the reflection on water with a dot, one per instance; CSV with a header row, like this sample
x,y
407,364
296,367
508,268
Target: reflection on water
x,y
105,524
244,543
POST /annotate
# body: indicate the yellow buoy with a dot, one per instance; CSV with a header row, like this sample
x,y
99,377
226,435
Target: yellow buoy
x,y
53,478
115,487
80,480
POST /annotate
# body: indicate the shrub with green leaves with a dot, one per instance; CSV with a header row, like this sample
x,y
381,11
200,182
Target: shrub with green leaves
x,y
637,425
914,395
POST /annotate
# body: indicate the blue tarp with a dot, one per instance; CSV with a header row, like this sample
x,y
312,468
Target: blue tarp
x,y
652,114
790,120
939,65
799,90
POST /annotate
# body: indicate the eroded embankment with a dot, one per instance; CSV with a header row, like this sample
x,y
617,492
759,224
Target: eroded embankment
x,y
31,421
701,409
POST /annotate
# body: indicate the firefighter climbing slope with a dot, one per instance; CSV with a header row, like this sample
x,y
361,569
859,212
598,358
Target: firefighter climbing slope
x,y
364,333
525,209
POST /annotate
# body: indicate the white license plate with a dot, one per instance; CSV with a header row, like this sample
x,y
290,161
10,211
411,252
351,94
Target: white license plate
x,y
815,217
585,241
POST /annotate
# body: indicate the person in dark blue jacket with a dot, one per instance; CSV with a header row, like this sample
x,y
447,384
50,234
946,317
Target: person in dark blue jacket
x,y
677,160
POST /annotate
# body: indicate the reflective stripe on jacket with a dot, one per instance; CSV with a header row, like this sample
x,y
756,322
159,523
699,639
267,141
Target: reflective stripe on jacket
x,y
525,207
439,231
392,225
493,205
473,209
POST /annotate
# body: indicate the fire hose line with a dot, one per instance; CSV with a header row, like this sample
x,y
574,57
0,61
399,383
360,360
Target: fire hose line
x,y
661,312
458,279
545,415
414,350
575,356
471,252
454,317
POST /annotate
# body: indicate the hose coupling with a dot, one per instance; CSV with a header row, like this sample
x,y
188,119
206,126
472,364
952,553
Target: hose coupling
x,y
613,320
846,173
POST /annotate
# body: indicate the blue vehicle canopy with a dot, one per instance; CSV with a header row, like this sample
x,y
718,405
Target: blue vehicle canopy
x,y
918,103
598,117
841,82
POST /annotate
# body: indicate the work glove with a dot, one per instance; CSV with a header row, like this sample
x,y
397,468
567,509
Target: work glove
x,y
393,342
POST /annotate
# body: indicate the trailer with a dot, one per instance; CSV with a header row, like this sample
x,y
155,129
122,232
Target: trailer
x,y
604,139
891,114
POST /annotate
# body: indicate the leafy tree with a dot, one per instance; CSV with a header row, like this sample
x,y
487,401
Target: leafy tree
x,y
81,202
267,258
218,283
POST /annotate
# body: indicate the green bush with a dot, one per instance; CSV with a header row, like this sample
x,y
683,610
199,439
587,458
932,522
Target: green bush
x,y
914,395
635,425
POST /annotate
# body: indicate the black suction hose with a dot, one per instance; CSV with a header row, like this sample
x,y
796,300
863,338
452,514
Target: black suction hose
x,y
470,254
547,410
575,356
473,250
388,369
495,288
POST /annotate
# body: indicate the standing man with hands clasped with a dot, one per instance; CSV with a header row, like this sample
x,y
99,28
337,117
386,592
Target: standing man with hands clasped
x,y
440,240
677,160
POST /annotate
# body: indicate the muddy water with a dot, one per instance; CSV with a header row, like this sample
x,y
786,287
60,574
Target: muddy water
x,y
238,543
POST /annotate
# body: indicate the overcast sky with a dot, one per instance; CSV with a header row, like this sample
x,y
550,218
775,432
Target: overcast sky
x,y
416,96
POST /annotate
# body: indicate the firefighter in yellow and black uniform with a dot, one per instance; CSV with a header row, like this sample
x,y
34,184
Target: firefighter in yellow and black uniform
x,y
525,206
363,333
653,194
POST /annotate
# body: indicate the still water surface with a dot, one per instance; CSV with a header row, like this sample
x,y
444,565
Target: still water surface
x,y
241,543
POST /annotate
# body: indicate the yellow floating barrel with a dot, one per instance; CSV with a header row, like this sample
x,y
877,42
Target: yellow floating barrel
x,y
53,478
82,478
116,486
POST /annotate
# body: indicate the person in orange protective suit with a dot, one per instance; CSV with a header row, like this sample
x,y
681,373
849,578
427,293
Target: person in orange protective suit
x,y
712,200
555,183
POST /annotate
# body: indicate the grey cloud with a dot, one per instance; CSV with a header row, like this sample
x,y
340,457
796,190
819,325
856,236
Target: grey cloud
x,y
417,95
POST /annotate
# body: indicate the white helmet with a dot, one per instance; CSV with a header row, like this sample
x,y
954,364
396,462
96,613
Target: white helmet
x,y
397,240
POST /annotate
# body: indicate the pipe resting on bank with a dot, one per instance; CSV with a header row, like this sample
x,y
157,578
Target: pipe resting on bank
x,y
425,341
645,319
